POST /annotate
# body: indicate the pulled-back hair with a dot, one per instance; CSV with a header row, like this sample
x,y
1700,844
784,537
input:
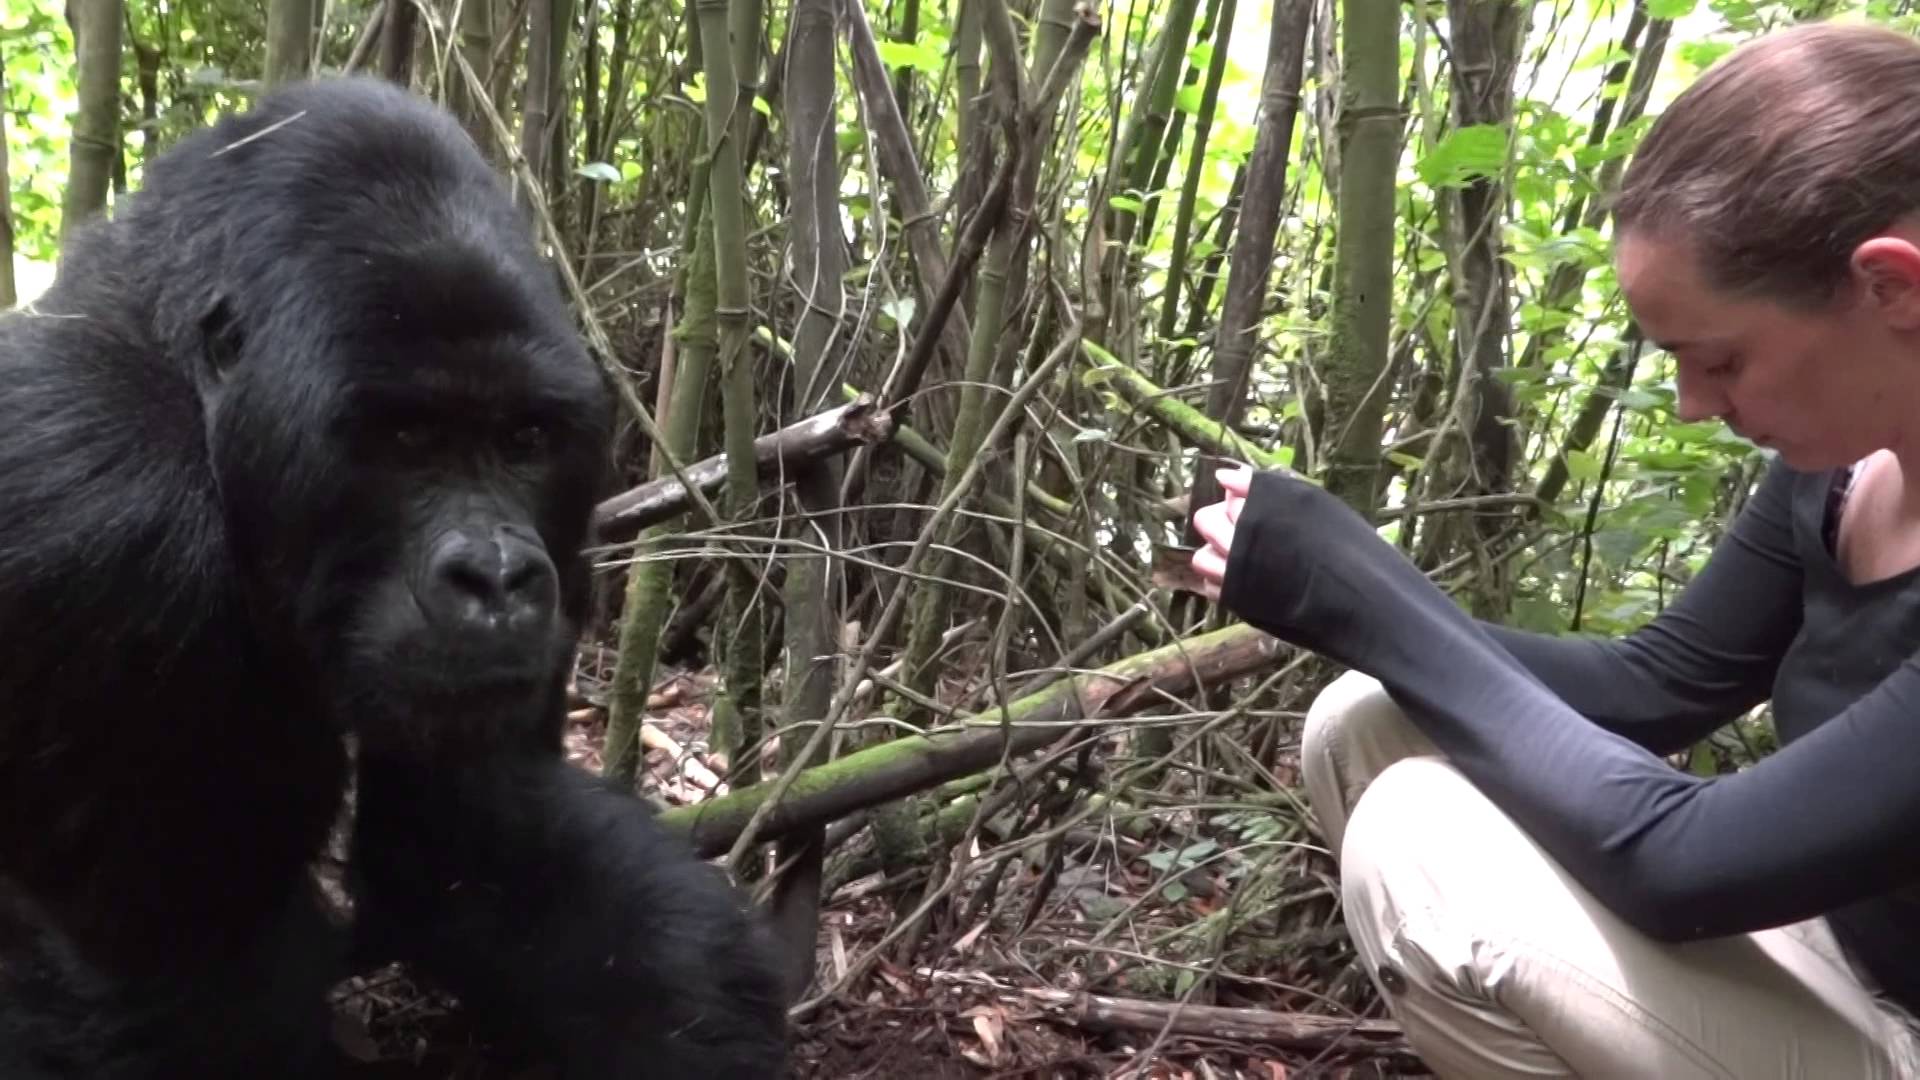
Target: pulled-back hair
x,y
1782,158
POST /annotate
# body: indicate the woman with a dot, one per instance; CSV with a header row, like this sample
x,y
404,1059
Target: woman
x,y
1537,893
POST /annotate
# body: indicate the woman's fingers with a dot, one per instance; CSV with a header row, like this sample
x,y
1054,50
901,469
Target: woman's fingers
x,y
1214,523
1211,564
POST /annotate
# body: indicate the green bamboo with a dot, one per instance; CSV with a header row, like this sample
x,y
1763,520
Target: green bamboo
x,y
536,98
966,76
1236,334
559,112
1170,146
977,742
650,578
8,295
289,40
1005,255
476,48
1147,127
1196,167
907,33
820,264
1194,427
1363,253
95,145
739,705
743,25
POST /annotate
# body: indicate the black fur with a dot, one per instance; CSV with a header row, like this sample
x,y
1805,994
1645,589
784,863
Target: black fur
x,y
302,443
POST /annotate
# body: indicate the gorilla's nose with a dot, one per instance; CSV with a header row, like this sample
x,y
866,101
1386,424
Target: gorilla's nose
x,y
495,586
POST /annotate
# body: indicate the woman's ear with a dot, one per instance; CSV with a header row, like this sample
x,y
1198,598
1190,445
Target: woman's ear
x,y
1888,269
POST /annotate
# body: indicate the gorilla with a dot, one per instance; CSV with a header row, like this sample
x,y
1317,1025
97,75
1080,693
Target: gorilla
x,y
302,448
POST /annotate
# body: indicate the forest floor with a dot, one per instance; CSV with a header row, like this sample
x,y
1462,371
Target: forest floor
x,y
990,999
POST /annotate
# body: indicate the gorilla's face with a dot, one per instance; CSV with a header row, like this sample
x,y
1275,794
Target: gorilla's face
x,y
414,488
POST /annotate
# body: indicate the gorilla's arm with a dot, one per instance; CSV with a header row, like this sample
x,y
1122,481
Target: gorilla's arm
x,y
160,799
556,906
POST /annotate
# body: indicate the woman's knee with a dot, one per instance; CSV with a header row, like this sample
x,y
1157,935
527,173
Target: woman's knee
x,y
1419,811
1354,731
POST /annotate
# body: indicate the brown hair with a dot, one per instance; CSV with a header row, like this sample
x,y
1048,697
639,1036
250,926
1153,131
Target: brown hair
x,y
1783,157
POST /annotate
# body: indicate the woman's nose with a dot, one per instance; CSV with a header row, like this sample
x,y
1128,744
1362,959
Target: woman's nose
x,y
1700,397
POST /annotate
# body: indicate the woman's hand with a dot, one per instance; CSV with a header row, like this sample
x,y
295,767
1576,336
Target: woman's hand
x,y
1215,523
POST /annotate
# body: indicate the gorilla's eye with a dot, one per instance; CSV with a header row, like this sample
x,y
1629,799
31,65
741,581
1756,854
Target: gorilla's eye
x,y
529,439
220,338
412,436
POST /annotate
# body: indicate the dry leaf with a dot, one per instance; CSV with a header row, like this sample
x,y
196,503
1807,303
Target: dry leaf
x,y
1172,568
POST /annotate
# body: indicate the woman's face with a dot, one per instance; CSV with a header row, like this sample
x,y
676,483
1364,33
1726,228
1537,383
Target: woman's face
x,y
1824,387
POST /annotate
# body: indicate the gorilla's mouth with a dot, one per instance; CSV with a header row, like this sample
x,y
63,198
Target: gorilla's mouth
x,y
467,685
455,716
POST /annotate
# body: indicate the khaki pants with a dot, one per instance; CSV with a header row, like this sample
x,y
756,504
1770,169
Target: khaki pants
x,y
1499,965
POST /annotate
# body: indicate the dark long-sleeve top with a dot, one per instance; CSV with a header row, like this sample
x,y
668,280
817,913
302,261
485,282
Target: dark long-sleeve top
x,y
1563,733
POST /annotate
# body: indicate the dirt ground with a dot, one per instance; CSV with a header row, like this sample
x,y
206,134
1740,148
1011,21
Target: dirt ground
x,y
988,1008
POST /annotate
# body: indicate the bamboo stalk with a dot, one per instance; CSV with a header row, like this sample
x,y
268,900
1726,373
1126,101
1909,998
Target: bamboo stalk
x,y
918,763
736,713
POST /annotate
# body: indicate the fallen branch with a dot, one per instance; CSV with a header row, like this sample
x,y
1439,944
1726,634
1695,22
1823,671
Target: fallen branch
x,y
1294,1031
916,763
787,451
1193,427
684,762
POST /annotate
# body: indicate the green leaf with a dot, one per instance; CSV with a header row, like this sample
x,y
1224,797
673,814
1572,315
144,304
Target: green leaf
x,y
1701,55
1188,99
900,310
902,54
1582,465
1127,203
1667,460
1607,53
1669,9
1635,399
599,170
1465,155
1699,431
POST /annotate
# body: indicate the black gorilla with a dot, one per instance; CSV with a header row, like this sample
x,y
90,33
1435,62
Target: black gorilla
x,y
302,443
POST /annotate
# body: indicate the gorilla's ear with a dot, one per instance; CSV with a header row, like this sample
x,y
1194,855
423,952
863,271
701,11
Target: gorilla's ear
x,y
219,342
